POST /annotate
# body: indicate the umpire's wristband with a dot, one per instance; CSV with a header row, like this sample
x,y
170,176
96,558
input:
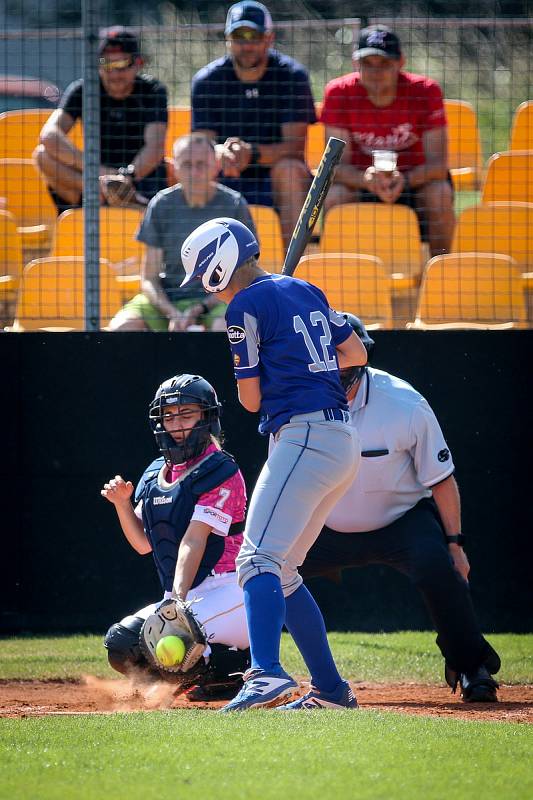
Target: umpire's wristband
x,y
457,538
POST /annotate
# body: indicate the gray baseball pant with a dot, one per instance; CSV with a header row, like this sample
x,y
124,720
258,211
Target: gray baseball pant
x,y
310,468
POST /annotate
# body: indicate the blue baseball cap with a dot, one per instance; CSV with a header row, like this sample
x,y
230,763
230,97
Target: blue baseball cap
x,y
248,14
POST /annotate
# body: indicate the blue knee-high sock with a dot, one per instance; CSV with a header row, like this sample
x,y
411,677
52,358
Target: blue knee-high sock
x,y
305,624
265,615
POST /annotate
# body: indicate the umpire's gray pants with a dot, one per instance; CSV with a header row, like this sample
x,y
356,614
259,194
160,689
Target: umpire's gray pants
x,y
310,468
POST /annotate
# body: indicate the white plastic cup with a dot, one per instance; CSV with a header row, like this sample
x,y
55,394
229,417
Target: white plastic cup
x,y
384,160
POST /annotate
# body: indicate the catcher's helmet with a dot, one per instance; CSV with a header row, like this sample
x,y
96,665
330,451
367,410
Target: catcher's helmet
x,y
215,250
182,390
350,375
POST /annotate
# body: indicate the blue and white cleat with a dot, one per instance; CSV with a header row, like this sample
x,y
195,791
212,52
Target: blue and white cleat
x,y
261,690
341,699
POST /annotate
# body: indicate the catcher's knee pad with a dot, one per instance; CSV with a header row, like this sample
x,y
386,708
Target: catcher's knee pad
x,y
122,644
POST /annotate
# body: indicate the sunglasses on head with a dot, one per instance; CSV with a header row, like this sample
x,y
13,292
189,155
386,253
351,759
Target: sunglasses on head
x,y
246,35
118,65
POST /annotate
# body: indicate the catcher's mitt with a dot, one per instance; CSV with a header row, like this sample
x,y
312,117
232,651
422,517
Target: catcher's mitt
x,y
118,190
174,618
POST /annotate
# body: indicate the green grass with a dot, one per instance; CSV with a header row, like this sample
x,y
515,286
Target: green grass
x,y
263,755
464,200
409,656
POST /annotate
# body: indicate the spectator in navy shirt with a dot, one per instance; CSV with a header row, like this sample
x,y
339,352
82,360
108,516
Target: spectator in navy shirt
x,y
257,103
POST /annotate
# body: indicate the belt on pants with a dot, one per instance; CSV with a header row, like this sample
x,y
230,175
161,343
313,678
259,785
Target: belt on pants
x,y
328,414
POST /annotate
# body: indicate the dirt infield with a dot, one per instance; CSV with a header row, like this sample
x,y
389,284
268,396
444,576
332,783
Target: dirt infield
x,y
21,699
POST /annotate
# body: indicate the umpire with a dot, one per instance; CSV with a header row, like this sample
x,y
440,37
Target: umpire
x,y
403,510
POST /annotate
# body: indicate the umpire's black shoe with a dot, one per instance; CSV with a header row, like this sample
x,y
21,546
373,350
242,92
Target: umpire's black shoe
x,y
478,686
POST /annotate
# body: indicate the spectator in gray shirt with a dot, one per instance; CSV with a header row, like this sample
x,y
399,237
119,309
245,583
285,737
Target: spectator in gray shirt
x,y
170,217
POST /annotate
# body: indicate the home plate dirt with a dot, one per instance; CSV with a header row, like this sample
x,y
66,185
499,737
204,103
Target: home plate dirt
x,y
98,696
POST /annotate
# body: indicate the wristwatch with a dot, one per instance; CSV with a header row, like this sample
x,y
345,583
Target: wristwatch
x,y
256,155
457,538
128,172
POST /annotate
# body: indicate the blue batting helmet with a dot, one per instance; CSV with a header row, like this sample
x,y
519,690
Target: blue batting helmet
x,y
215,250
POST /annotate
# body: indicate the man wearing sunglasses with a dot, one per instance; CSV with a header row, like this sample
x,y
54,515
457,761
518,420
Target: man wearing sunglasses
x,y
257,103
133,117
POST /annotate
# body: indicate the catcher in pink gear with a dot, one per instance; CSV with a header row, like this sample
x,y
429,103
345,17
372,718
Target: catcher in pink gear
x,y
189,510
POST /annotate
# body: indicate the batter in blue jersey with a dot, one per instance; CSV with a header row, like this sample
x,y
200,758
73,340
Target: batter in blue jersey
x,y
287,346
282,331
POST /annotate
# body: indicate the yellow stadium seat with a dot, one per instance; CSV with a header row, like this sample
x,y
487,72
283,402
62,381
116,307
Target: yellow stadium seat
x,y
505,228
471,290
24,194
522,128
390,232
179,124
465,155
19,132
11,262
53,290
268,229
315,144
315,141
117,237
509,177
351,282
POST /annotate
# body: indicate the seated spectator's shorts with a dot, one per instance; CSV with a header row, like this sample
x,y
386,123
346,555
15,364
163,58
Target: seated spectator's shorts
x,y
140,307
407,198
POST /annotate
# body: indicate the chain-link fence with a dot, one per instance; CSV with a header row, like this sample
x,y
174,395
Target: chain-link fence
x,y
373,258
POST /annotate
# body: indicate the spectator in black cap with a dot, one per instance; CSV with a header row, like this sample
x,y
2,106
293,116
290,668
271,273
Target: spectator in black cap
x,y
257,103
379,107
133,117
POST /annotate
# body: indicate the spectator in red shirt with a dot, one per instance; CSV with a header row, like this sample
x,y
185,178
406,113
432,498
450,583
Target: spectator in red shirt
x,y
380,107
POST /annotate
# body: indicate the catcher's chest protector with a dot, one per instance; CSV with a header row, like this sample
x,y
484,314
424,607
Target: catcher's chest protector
x,y
168,508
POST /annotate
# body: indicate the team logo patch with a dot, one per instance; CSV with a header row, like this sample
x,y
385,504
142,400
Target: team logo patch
x,y
236,334
443,455
236,359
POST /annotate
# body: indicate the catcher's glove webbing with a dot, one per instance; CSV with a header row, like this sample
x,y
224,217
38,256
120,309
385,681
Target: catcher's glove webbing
x,y
174,618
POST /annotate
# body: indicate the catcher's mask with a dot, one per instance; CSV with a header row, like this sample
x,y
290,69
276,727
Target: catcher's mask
x,y
350,375
215,250
184,390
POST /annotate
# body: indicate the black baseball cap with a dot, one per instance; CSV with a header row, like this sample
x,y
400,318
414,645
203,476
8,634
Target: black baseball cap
x,y
378,40
248,14
118,37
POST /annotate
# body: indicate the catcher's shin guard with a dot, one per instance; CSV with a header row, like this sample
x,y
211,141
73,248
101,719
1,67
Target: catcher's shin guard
x,y
223,676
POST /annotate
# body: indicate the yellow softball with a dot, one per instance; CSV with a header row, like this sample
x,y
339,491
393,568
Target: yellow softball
x,y
170,650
